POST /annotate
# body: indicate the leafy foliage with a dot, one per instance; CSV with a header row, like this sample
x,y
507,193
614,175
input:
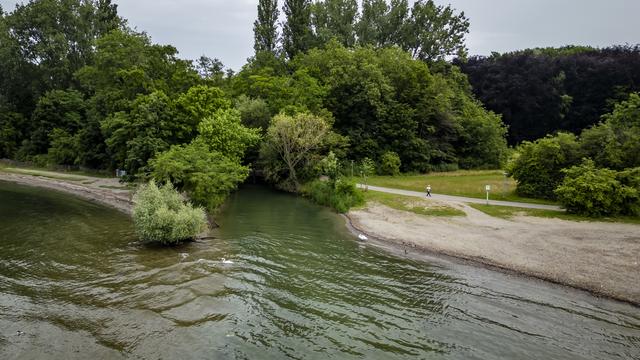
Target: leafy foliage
x,y
390,164
207,176
161,215
537,166
592,191
224,133
340,195
290,146
615,143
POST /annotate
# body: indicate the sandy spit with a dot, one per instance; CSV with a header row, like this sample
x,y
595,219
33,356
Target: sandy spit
x,y
89,188
603,258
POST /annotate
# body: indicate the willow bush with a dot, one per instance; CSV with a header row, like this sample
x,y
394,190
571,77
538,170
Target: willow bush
x,y
162,215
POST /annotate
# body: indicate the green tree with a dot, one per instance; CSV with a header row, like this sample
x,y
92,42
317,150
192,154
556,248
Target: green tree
x,y
265,30
291,144
64,110
537,166
63,148
297,36
615,143
335,19
254,113
207,176
390,164
135,136
435,32
224,133
198,103
12,125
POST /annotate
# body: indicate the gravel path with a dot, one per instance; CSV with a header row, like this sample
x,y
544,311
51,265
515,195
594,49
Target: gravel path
x,y
450,198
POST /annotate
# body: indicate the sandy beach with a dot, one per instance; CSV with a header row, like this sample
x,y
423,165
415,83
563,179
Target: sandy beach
x,y
106,191
603,258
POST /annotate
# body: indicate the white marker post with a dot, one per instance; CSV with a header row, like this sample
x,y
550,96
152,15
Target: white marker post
x,y
487,188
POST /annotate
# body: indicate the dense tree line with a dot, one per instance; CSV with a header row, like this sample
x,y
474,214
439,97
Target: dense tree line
x,y
542,91
78,87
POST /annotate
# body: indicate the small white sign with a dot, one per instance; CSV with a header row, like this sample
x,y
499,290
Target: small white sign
x,y
487,187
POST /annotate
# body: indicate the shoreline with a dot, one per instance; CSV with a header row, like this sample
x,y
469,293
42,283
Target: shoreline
x,y
429,237
116,199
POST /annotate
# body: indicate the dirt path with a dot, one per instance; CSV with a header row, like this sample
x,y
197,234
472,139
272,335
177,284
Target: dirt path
x,y
458,199
107,191
603,258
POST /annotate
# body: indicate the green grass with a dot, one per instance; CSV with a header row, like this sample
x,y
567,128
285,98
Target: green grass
x,y
411,204
506,212
41,173
469,183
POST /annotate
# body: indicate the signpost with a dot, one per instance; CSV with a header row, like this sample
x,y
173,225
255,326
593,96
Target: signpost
x,y
487,188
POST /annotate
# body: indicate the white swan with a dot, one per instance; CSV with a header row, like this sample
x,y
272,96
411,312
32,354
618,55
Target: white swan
x,y
225,261
362,237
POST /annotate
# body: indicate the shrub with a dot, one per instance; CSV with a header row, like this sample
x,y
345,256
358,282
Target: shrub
x,y
341,195
537,166
589,191
390,164
162,215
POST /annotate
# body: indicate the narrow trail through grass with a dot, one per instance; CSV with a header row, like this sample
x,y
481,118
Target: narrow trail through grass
x,y
468,183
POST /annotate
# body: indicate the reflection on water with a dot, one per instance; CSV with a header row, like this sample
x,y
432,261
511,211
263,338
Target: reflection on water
x,y
74,279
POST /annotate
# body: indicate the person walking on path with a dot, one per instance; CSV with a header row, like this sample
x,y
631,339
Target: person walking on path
x,y
428,190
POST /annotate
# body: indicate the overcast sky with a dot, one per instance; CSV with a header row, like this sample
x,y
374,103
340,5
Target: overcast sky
x,y
224,28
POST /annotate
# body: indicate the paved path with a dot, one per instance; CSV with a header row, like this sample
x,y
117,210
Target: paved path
x,y
463,199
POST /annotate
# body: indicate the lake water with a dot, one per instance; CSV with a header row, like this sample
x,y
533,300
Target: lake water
x,y
75,284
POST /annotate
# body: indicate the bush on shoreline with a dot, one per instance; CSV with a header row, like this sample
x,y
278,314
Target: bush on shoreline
x,y
590,191
161,215
340,195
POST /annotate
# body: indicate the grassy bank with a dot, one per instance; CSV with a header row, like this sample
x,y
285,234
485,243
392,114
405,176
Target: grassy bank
x,y
469,183
412,204
506,212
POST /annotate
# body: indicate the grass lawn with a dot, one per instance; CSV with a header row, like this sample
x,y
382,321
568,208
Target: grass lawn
x,y
411,204
469,183
506,212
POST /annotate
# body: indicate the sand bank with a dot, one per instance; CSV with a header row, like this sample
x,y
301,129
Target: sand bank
x,y
603,258
106,191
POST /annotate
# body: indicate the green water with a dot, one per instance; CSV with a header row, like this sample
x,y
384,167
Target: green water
x,y
76,282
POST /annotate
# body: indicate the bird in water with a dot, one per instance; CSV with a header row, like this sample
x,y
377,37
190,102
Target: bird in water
x,y
225,261
362,237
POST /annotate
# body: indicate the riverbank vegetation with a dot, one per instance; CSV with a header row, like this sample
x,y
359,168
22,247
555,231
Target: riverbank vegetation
x,y
366,85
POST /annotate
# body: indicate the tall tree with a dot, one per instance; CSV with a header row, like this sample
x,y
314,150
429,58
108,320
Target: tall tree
x,y
296,31
369,27
383,24
435,32
335,19
265,31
